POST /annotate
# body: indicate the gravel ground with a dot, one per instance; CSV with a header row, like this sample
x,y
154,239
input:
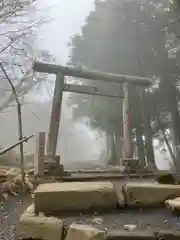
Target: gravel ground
x,y
10,213
143,219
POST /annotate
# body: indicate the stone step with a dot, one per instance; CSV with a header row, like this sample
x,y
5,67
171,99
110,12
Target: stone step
x,y
77,196
149,194
85,196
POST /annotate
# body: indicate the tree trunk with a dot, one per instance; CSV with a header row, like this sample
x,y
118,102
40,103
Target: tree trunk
x,y
118,148
137,119
127,134
140,145
149,150
55,116
168,88
173,108
111,147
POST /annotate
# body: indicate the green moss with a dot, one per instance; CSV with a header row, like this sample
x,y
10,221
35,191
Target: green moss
x,y
165,177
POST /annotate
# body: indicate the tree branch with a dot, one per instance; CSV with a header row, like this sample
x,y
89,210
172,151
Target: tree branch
x,y
9,80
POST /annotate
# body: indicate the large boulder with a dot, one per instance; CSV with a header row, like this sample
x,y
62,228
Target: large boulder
x,y
149,194
84,232
34,226
74,196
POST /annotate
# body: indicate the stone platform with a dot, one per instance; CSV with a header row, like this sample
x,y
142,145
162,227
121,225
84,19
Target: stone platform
x,y
80,210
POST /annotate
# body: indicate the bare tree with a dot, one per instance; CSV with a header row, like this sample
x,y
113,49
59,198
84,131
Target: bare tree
x,y
19,22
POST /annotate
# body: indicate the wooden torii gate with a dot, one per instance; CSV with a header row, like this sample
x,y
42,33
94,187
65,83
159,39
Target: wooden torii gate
x,y
60,86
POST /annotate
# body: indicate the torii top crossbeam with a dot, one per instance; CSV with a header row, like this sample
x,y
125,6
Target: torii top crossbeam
x,y
94,75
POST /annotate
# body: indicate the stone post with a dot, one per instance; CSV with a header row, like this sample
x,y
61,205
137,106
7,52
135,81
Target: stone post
x,y
39,155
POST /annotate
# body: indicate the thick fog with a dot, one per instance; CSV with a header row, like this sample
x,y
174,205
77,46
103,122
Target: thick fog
x,y
77,141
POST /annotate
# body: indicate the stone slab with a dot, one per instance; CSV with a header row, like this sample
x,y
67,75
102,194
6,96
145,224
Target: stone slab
x,y
84,232
149,194
34,226
74,196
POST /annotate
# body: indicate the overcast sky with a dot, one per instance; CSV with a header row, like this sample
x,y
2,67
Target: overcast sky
x,y
69,16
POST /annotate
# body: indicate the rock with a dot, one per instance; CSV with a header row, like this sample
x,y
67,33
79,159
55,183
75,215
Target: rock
x,y
7,188
98,220
149,194
173,204
12,173
29,185
32,226
130,227
29,210
67,196
84,232
166,221
4,196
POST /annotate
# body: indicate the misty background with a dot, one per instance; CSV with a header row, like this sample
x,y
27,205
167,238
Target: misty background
x,y
74,138
78,142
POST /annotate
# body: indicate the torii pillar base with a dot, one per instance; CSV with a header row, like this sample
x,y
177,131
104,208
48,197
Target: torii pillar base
x,y
53,167
129,164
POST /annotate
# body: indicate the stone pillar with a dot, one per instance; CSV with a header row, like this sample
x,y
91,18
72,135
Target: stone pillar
x,y
55,117
126,163
127,141
39,155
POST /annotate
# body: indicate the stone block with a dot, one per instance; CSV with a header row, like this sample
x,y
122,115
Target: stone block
x,y
149,194
84,232
34,226
74,196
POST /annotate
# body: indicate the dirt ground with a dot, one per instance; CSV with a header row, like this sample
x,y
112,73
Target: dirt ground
x,y
143,219
10,213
